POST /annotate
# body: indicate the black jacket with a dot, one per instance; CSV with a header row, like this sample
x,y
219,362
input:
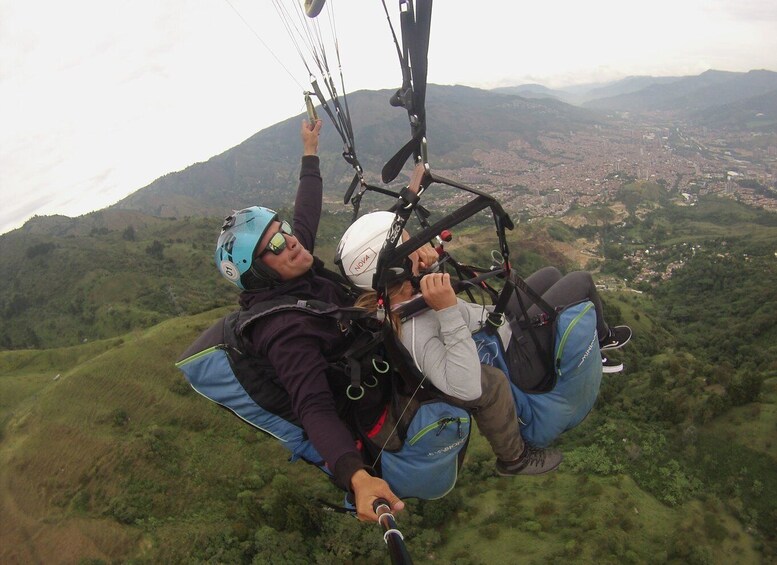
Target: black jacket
x,y
299,345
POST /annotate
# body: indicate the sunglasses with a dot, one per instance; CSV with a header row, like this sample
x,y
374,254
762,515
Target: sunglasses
x,y
277,242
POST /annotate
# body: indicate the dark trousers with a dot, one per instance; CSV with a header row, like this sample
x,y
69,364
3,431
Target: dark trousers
x,y
494,411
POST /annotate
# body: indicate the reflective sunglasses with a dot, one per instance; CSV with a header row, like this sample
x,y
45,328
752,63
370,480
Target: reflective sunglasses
x,y
277,242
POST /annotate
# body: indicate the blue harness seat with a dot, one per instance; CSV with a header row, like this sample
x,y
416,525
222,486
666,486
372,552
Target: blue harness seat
x,y
578,371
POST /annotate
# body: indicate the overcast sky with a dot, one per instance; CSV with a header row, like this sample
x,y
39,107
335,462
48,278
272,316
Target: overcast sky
x,y
100,97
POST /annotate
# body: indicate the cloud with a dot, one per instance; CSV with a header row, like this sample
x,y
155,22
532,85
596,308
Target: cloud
x,y
758,11
97,99
14,215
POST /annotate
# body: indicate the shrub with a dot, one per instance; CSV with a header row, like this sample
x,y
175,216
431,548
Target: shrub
x,y
490,531
40,249
119,418
156,250
745,388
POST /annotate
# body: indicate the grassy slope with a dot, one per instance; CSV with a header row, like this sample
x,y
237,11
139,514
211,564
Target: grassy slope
x,y
118,440
572,517
107,284
118,459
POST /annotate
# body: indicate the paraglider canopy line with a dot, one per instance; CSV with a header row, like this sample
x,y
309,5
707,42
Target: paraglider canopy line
x,y
265,45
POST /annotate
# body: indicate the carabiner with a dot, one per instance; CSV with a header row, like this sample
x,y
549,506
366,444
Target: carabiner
x,y
497,257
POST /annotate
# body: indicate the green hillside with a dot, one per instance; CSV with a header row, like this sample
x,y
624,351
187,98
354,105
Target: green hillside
x,y
71,281
106,454
720,255
118,460
99,276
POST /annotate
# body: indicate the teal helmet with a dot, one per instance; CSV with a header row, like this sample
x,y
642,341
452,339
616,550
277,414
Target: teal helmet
x,y
236,249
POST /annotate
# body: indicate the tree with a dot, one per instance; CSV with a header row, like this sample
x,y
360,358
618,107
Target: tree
x,y
156,250
40,249
745,388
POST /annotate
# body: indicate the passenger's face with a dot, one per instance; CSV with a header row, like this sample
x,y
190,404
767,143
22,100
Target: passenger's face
x,y
293,261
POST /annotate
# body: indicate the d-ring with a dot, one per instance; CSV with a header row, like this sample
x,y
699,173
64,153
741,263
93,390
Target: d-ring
x,y
353,397
372,384
383,364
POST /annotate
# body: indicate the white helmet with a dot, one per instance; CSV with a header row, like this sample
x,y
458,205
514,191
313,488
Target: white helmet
x,y
357,253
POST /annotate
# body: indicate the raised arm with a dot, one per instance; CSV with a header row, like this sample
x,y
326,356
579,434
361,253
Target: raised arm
x,y
307,206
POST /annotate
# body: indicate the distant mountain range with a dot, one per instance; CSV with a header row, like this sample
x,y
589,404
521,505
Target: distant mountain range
x,y
461,120
639,94
689,95
580,94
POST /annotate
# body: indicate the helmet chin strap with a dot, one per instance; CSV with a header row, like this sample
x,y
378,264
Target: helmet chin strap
x,y
260,277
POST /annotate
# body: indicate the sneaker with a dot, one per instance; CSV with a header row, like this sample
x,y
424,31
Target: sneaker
x,y
533,461
611,365
615,338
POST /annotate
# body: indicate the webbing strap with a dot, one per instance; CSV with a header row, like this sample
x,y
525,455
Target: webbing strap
x,y
531,293
545,356
496,316
396,256
419,49
415,24
356,357
335,118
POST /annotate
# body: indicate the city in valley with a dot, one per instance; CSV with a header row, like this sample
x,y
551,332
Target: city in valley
x,y
585,167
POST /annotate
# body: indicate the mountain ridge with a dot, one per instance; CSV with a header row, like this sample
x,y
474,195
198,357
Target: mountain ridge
x,y
462,121
685,95
462,118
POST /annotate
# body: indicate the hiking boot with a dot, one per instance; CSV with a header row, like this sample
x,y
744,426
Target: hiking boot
x,y
611,365
533,461
616,337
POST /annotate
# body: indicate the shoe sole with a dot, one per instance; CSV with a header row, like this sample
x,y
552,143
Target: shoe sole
x,y
519,474
612,368
528,474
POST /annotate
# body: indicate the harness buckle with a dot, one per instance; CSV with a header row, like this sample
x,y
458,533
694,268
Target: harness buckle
x,y
409,197
541,319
